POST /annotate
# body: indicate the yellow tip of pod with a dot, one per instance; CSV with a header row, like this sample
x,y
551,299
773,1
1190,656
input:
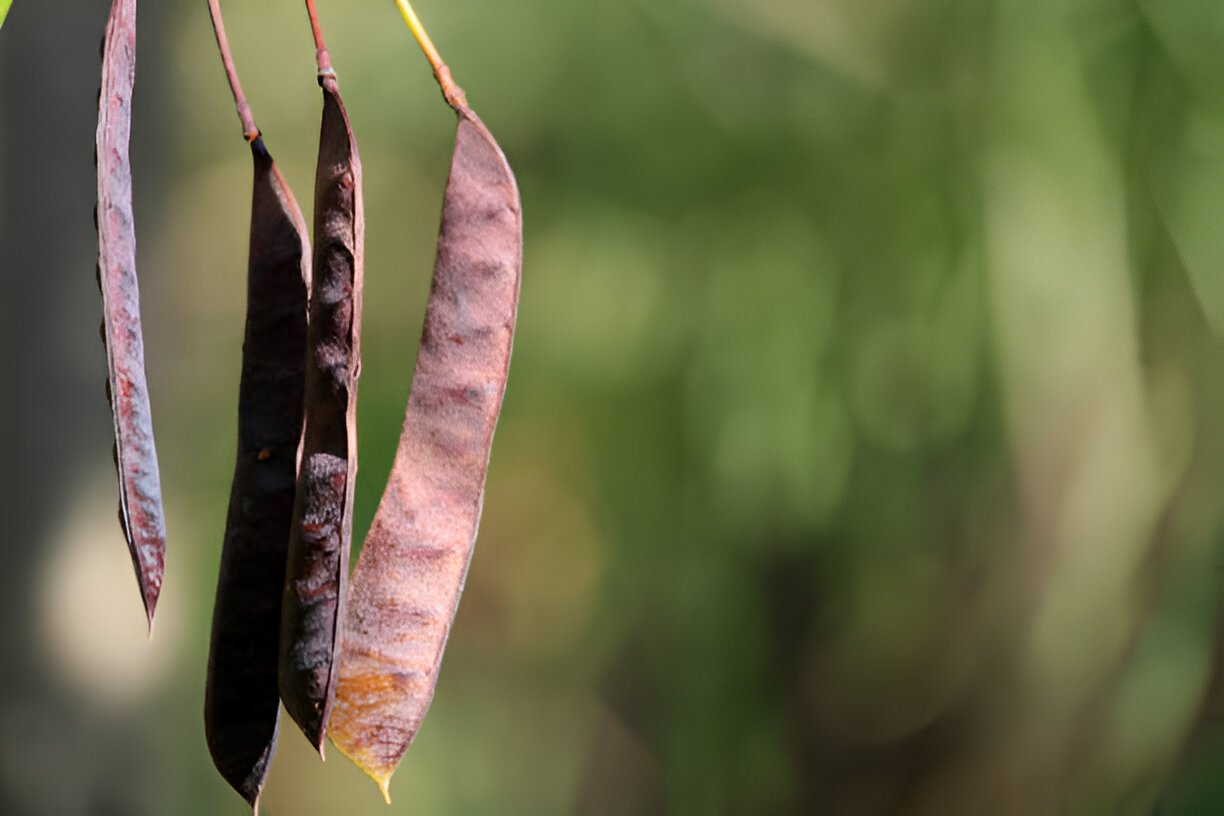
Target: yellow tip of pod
x,y
381,775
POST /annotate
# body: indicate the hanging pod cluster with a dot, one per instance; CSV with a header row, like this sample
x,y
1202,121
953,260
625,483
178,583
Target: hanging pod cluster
x,y
359,662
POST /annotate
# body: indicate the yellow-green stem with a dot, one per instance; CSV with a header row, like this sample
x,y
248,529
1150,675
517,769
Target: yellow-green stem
x,y
450,91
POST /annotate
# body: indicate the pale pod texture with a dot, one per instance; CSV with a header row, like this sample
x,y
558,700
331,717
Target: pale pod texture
x,y
406,587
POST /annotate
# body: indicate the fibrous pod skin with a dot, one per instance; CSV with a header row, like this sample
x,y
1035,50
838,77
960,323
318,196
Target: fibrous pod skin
x,y
323,518
140,502
242,701
406,587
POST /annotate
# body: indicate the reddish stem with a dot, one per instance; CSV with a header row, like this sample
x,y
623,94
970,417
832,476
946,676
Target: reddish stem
x,y
249,129
321,56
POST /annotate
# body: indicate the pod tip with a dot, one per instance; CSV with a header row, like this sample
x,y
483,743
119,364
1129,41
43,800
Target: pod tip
x,y
150,608
377,771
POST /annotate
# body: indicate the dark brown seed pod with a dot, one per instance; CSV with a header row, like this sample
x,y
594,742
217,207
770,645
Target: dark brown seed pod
x,y
241,700
406,587
140,502
322,531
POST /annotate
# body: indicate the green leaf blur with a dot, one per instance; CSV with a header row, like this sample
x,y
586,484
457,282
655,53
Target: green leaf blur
x,y
863,448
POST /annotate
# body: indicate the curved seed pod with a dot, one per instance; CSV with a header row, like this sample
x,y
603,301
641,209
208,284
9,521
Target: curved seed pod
x,y
322,530
241,698
140,503
406,587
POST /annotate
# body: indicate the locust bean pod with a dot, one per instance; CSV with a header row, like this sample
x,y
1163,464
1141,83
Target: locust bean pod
x,y
242,700
406,587
140,502
317,568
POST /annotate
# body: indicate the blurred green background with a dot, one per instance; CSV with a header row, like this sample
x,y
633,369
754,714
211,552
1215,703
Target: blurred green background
x,y
863,450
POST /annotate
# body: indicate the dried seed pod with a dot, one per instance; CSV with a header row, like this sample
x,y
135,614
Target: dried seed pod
x,y
140,502
242,701
406,587
322,530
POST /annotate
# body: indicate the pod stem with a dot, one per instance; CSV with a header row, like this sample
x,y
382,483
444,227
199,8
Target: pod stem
x,y
321,56
249,130
451,92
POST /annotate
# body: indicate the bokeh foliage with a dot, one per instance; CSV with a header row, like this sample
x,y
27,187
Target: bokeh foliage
x,y
862,452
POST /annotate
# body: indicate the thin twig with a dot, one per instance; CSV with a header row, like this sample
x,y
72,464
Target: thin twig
x,y
249,129
450,90
321,55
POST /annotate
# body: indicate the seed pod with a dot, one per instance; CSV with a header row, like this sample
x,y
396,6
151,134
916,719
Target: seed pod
x,y
322,530
406,587
140,502
242,701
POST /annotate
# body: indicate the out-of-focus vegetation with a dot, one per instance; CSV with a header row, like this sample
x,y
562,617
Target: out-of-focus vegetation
x,y
862,452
